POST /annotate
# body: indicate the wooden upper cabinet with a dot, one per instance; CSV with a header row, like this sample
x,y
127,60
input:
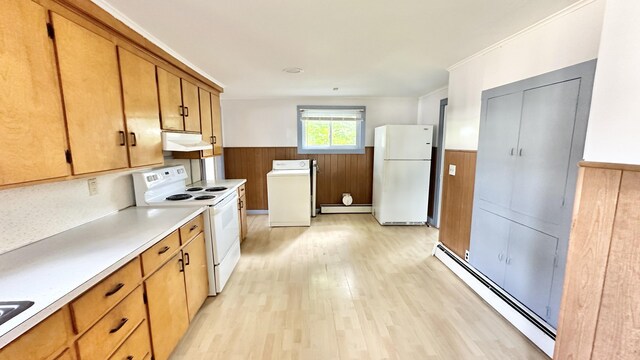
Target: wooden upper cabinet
x,y
170,100
141,109
217,124
205,120
191,106
195,274
90,80
32,130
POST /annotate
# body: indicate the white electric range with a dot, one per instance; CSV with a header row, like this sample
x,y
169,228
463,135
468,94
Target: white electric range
x,y
166,187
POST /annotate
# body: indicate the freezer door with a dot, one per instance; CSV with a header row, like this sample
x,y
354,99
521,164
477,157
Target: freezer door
x,y
404,192
409,142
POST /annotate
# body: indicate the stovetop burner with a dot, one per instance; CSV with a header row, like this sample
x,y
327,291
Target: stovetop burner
x,y
216,188
179,197
194,189
204,197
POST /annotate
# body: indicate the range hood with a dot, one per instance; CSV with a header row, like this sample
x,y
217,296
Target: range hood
x,y
172,141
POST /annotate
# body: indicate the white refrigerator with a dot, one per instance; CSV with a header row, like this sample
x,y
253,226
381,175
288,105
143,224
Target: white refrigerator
x,y
401,169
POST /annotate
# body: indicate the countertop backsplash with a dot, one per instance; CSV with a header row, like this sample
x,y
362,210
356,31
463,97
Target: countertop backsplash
x,y
32,213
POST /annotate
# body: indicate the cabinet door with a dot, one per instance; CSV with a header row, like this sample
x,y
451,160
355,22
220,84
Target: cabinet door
x,y
167,304
32,130
69,354
195,274
530,266
141,109
243,217
488,249
191,106
217,124
546,132
205,120
93,103
497,149
170,100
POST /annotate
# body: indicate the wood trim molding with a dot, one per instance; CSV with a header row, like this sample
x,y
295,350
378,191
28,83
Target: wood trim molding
x,y
99,17
461,151
610,166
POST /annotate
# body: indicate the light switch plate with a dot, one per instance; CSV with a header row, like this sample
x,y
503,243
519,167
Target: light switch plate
x,y
93,186
452,170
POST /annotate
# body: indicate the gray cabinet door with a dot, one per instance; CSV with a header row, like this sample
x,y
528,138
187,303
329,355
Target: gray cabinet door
x,y
544,148
488,249
497,149
530,266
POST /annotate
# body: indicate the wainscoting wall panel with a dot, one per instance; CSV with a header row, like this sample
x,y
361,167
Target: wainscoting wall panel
x,y
337,173
599,312
457,200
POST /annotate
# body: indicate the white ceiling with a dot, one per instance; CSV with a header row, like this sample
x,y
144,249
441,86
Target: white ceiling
x,y
363,47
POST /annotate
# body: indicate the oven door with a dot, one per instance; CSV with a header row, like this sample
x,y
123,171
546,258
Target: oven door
x,y
224,218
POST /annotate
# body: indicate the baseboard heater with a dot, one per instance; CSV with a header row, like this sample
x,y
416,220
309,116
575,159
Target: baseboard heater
x,y
534,329
342,209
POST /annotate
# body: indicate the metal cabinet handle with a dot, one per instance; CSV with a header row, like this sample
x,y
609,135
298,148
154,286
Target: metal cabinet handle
x,y
134,141
163,250
215,141
130,357
500,257
512,151
187,261
186,111
114,290
508,261
122,138
120,325
241,204
211,139
520,152
180,110
181,262
193,228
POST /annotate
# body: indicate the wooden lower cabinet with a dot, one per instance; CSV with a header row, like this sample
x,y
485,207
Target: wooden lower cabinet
x,y
69,354
44,340
195,274
137,346
108,333
167,305
242,212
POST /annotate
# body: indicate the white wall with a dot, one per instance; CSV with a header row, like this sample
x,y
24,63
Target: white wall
x,y
614,122
429,110
32,213
272,122
567,38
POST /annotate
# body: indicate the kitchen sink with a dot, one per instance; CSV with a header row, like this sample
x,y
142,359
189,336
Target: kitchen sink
x,y
9,309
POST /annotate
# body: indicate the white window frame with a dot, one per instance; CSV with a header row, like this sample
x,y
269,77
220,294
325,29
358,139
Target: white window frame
x,y
332,149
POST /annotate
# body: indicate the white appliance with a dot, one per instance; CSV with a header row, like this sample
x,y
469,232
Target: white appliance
x,y
166,187
401,169
289,193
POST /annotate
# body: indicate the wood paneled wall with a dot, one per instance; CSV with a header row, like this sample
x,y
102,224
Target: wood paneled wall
x,y
337,173
600,304
457,200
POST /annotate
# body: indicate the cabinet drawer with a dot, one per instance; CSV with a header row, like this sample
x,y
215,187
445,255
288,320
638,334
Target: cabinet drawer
x,y
189,230
241,190
106,334
43,340
137,346
160,252
97,300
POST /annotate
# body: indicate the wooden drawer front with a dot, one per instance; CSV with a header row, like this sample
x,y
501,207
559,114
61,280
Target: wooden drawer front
x,y
160,252
241,190
43,340
137,346
104,336
96,301
189,230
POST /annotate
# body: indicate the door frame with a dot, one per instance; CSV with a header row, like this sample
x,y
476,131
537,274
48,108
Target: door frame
x,y
435,220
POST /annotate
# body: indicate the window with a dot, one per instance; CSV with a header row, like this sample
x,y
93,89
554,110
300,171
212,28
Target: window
x,y
331,129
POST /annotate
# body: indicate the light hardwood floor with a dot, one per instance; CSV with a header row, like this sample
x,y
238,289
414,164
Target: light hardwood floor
x,y
347,288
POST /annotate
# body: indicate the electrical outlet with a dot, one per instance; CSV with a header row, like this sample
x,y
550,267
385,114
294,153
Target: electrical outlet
x,y
466,255
93,186
452,170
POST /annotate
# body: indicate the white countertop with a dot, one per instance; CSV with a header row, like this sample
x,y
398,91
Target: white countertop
x,y
230,184
54,271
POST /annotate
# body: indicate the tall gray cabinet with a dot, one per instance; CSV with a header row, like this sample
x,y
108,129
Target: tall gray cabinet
x,y
531,138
